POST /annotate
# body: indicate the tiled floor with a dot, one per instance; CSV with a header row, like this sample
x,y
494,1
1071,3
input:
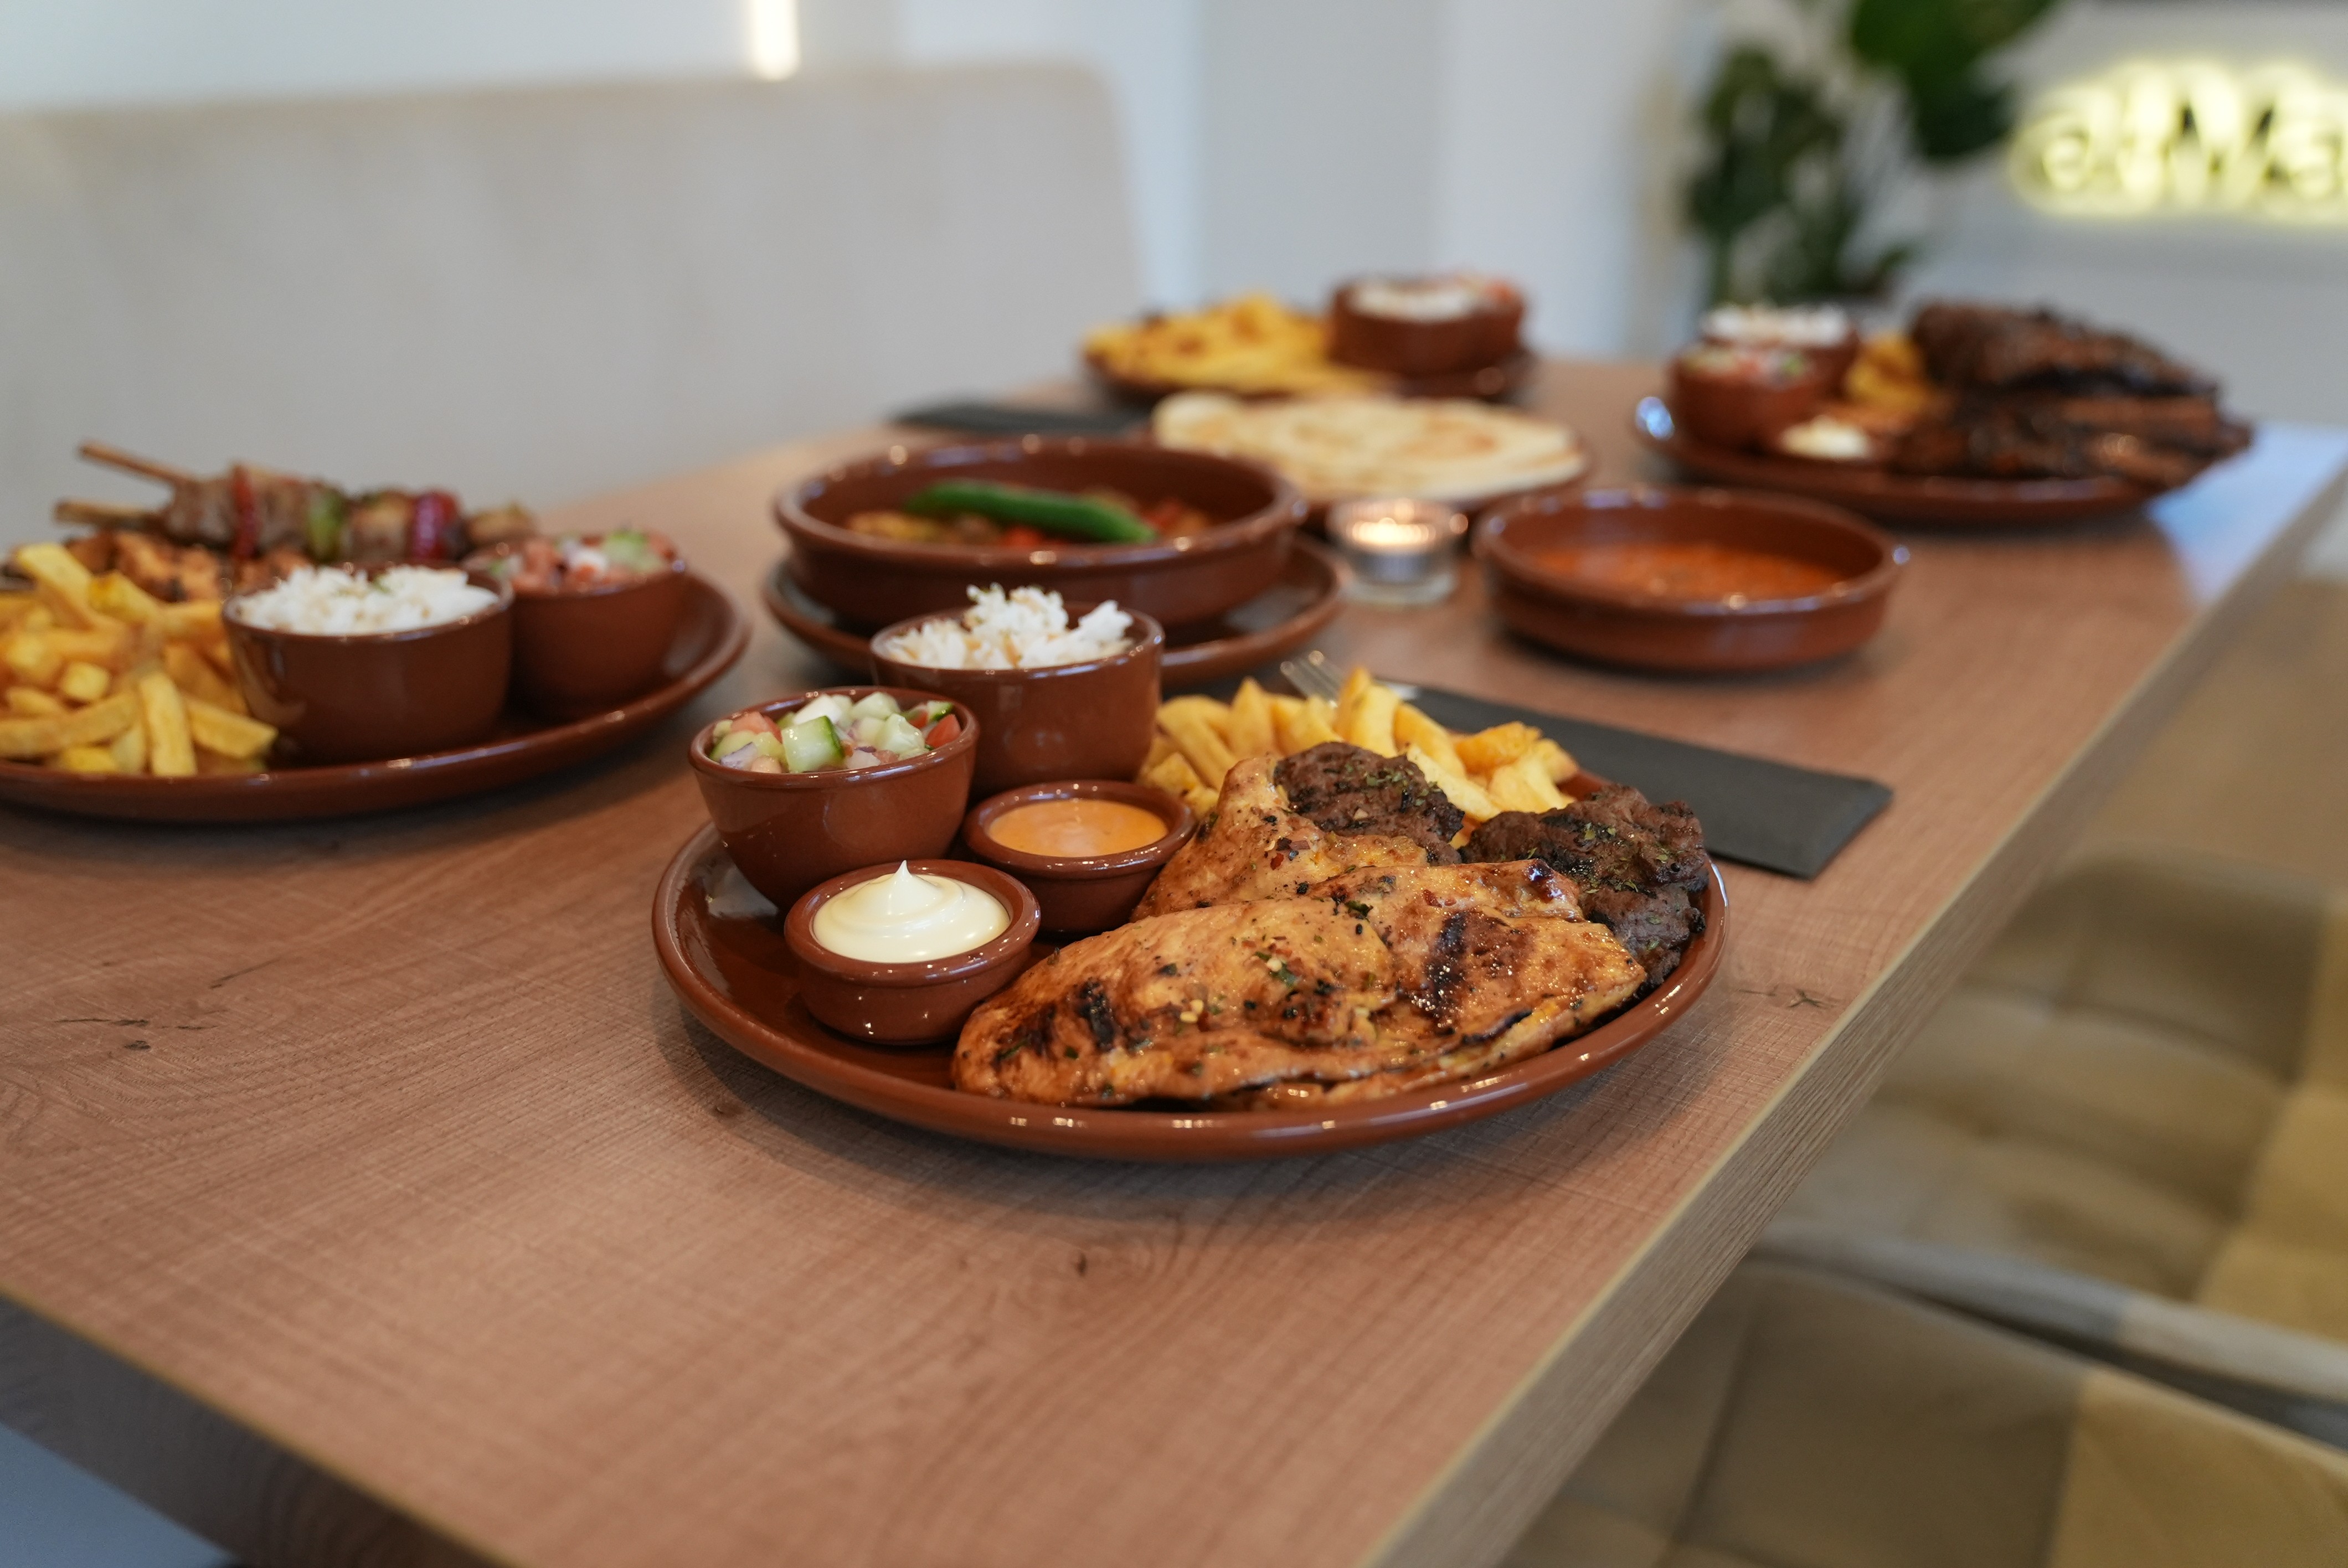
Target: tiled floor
x,y
54,1516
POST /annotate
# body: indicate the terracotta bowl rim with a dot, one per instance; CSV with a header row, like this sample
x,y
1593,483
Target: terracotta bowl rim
x,y
1815,374
982,843
1491,545
503,589
697,748
1285,510
1510,304
1154,642
1026,921
677,568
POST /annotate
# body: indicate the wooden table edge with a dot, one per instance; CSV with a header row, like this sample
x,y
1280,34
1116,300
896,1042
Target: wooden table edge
x,y
1495,1485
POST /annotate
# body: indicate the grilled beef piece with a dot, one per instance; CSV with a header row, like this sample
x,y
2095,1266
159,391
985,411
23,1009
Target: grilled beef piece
x,y
2157,441
1992,348
1636,863
1343,788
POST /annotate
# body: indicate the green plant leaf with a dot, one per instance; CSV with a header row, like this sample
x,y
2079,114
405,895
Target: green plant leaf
x,y
1936,40
1954,119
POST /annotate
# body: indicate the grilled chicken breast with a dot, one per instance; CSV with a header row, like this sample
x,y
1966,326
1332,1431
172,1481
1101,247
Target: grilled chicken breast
x,y
1370,982
1254,847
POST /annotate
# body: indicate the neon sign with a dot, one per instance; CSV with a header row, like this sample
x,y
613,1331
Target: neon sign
x,y
2189,135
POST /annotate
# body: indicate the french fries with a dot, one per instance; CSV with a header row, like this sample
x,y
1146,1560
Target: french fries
x,y
1509,767
98,676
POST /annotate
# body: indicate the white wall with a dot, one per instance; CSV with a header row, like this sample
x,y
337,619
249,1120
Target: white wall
x,y
1286,143
72,53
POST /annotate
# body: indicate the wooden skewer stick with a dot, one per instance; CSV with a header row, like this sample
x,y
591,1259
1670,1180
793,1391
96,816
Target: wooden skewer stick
x,y
131,463
105,515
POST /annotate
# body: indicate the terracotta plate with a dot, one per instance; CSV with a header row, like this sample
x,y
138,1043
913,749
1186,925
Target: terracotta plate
x,y
1891,497
736,975
1309,591
709,638
1493,383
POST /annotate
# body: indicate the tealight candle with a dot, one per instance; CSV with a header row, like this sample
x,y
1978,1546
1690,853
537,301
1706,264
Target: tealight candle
x,y
1402,552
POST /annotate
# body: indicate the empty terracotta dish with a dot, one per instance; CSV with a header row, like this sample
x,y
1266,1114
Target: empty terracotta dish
x,y
1086,873
908,1003
1092,720
789,831
364,696
586,641
870,581
1696,580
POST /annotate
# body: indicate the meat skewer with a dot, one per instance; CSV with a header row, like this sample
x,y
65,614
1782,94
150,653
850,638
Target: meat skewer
x,y
252,512
219,533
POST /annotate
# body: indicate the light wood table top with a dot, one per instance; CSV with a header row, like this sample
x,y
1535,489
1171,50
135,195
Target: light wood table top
x,y
365,1196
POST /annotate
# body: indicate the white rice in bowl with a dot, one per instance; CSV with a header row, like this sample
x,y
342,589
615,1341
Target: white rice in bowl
x,y
1026,629
335,601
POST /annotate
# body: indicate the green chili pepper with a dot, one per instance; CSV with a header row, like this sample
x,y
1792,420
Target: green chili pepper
x,y
1072,517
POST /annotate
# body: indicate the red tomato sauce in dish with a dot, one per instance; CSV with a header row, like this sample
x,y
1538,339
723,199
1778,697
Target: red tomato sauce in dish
x,y
1076,827
1693,570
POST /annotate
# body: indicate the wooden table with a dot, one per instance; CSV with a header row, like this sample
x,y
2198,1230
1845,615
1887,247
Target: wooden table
x,y
367,1197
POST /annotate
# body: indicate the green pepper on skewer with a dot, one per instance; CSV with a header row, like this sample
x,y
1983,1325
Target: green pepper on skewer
x,y
1071,517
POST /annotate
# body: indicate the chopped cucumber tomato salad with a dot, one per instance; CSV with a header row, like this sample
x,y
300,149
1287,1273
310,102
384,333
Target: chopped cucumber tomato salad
x,y
832,732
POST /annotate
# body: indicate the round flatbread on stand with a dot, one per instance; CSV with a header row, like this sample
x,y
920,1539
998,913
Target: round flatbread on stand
x,y
1337,449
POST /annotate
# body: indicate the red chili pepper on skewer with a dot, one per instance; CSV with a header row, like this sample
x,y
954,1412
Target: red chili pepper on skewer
x,y
432,526
246,544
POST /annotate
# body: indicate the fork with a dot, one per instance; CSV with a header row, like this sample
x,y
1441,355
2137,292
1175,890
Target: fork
x,y
1312,676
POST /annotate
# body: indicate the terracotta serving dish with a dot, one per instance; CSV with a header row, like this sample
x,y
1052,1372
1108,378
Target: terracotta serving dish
x,y
582,650
709,638
873,582
1736,411
380,694
738,977
1092,720
1288,614
1081,894
787,832
1944,499
908,1004
1596,621
1487,336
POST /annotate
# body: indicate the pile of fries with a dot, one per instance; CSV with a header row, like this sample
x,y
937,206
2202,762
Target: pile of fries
x,y
1509,767
98,676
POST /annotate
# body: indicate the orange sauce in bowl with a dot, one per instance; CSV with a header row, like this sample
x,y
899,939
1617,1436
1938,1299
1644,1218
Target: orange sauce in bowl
x,y
1076,827
1693,570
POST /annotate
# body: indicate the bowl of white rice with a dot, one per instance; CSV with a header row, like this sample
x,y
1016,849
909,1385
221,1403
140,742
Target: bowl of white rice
x,y
361,666
1060,690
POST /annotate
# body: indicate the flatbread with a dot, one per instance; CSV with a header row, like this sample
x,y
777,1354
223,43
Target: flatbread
x,y
1335,448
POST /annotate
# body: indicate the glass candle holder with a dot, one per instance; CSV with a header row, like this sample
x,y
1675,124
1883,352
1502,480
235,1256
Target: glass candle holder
x,y
1403,552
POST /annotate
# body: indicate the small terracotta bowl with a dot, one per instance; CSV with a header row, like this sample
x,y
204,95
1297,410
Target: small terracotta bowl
x,y
1485,336
1739,412
871,583
787,832
1086,720
1699,636
383,694
908,1004
585,650
1082,892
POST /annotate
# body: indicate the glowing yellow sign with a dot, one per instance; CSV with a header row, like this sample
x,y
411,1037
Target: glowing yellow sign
x,y
2189,136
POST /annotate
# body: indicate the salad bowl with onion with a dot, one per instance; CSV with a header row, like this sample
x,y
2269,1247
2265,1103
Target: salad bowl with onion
x,y
806,788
